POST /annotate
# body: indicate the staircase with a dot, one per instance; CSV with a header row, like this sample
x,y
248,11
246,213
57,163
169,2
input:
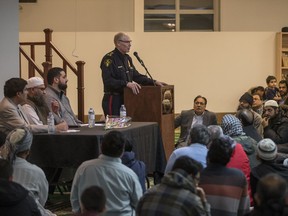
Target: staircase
x,y
50,49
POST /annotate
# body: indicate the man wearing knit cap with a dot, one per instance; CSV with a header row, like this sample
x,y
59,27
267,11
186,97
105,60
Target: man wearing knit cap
x,y
35,106
16,150
275,123
245,102
267,154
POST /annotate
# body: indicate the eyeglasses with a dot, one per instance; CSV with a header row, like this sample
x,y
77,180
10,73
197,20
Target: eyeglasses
x,y
129,41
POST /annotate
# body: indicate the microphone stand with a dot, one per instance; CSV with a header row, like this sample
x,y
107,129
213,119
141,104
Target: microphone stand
x,y
142,63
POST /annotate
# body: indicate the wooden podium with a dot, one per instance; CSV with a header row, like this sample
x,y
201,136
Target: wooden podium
x,y
154,104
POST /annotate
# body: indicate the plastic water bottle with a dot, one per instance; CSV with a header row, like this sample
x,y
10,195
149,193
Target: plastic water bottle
x,y
122,111
91,118
51,124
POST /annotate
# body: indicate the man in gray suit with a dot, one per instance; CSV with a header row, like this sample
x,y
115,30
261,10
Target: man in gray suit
x,y
188,118
11,113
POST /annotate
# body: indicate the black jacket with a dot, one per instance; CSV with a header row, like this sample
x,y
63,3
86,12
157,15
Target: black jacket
x,y
277,129
16,201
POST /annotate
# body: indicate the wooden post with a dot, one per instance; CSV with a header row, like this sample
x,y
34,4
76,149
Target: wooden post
x,y
80,87
48,49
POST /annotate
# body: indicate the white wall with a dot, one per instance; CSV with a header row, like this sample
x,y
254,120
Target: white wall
x,y
218,65
9,51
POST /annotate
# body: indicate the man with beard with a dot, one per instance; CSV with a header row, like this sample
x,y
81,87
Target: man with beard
x,y
246,102
283,90
12,114
35,107
56,99
275,123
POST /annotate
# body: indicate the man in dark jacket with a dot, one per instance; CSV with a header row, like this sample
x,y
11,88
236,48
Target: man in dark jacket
x,y
275,123
14,199
267,154
189,118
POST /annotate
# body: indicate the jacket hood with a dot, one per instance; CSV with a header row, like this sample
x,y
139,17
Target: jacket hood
x,y
11,193
179,179
128,158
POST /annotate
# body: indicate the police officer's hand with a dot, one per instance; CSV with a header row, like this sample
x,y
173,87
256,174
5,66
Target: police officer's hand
x,y
158,83
135,87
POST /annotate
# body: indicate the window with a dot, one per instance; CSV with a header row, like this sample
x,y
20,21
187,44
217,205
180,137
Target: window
x,y
181,15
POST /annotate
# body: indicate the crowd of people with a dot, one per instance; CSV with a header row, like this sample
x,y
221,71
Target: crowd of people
x,y
234,167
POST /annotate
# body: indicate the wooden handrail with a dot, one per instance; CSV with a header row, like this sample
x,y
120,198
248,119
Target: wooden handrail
x,y
49,48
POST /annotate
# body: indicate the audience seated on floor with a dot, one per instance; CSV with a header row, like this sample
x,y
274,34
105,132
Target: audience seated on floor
x,y
188,118
246,117
275,123
197,149
238,160
267,154
246,102
16,150
258,103
14,199
93,201
232,127
139,167
226,189
271,91
270,196
120,183
177,194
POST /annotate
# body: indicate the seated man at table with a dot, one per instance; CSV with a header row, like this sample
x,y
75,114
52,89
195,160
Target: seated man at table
x,y
35,106
56,99
11,112
188,118
120,183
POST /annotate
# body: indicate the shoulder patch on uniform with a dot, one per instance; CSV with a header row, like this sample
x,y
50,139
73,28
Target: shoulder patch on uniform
x,y
107,62
110,54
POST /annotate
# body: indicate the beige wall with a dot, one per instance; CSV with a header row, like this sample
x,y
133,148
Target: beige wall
x,y
218,65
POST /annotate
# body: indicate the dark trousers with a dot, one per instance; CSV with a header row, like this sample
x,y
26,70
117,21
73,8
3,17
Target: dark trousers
x,y
111,104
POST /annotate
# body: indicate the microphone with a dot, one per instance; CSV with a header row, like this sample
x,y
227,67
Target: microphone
x,y
138,58
142,63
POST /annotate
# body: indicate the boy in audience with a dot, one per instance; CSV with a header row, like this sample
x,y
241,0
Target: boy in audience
x,y
271,91
93,201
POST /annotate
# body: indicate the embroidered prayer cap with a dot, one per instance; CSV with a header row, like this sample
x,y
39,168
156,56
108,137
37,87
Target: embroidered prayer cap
x,y
271,103
266,149
18,140
231,125
34,82
247,98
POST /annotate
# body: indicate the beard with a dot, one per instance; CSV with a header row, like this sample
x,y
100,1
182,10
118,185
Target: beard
x,y
38,100
62,86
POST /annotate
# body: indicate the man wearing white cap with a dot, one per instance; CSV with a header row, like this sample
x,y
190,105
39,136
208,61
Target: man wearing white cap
x,y
267,154
35,106
275,123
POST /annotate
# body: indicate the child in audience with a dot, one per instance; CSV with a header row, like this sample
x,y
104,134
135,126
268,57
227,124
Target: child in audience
x,y
137,166
271,91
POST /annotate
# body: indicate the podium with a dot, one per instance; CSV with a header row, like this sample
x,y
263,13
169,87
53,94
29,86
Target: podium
x,y
154,104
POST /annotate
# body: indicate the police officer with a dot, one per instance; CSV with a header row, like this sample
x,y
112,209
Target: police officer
x,y
119,72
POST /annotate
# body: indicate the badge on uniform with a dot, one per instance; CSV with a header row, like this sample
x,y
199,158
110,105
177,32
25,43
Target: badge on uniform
x,y
107,62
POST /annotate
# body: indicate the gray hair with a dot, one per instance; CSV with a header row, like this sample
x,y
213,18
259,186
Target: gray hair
x,y
200,134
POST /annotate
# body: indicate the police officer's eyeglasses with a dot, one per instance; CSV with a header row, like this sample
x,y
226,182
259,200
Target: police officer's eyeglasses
x,y
125,41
